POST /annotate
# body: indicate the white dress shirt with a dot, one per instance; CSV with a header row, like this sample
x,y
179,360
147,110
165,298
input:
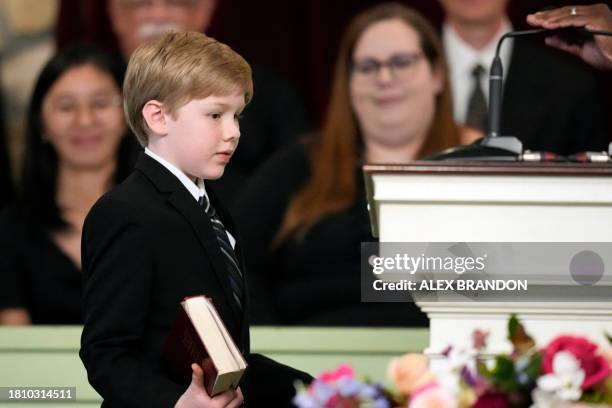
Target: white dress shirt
x,y
462,58
197,190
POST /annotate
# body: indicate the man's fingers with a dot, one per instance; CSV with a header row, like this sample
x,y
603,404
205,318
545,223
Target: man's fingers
x,y
556,42
563,17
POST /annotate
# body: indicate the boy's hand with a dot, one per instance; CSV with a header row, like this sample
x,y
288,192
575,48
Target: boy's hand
x,y
196,396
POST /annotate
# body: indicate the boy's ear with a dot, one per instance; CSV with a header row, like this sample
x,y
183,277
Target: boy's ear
x,y
153,113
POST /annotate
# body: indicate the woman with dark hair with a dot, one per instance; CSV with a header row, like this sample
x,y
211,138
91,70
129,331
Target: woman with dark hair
x,y
76,149
304,215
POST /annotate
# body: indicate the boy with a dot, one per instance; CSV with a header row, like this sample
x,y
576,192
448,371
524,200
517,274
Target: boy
x,y
161,235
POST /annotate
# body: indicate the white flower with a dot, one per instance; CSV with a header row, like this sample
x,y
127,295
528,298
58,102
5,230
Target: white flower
x,y
543,399
448,371
449,381
459,357
565,380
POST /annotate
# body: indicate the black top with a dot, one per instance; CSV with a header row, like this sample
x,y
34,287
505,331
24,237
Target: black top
x,y
6,181
274,119
315,281
36,274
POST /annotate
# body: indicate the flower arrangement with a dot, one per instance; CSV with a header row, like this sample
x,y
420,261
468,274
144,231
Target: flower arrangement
x,y
569,372
340,389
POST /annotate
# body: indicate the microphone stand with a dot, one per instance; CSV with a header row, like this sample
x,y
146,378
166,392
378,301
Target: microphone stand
x,y
494,146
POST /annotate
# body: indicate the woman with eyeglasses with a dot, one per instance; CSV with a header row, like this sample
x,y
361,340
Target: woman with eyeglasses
x,y
76,149
304,216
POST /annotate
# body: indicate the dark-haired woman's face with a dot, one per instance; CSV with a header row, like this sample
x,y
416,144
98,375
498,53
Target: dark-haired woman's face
x,y
82,117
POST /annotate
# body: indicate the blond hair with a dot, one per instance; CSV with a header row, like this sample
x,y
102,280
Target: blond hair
x,y
177,68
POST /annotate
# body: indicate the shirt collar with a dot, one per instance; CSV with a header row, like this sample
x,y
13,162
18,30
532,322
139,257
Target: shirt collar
x,y
463,57
197,189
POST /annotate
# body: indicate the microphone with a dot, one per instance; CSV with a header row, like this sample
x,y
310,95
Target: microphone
x,y
496,78
494,146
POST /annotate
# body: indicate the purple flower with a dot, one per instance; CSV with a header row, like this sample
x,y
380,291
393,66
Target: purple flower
x,y
304,400
321,391
348,386
468,376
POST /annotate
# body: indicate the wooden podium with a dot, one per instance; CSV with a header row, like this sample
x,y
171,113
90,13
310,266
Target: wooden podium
x,y
497,202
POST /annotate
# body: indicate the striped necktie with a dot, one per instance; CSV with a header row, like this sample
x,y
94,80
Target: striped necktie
x,y
229,256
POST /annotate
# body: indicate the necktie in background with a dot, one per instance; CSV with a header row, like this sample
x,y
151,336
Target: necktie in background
x,y
231,262
477,104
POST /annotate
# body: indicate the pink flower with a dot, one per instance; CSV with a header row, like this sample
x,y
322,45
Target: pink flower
x,y
343,370
596,367
479,339
432,397
606,352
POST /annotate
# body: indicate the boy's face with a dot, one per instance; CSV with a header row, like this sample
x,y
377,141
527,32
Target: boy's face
x,y
203,135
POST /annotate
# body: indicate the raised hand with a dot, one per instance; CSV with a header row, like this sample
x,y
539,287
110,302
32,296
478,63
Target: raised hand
x,y
597,52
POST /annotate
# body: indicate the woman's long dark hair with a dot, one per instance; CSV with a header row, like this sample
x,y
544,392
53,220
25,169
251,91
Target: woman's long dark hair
x,y
38,186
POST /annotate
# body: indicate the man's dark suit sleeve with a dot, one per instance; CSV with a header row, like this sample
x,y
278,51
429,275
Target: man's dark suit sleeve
x,y
118,269
269,383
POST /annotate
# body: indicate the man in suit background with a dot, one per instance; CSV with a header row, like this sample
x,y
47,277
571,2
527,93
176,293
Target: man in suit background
x,y
550,102
162,235
274,119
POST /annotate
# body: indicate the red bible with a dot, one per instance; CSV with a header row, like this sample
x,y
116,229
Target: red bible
x,y
198,335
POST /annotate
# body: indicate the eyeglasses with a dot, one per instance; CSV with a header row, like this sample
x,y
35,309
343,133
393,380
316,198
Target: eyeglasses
x,y
401,66
100,105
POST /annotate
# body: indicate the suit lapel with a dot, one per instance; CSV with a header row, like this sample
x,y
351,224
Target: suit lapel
x,y
185,204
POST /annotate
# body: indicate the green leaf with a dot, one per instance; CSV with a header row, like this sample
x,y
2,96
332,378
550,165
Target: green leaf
x,y
513,324
521,341
534,368
502,375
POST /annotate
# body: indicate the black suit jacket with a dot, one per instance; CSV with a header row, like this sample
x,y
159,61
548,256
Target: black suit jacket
x,y
552,102
146,245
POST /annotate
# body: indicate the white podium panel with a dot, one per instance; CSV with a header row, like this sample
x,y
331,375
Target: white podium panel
x,y
486,202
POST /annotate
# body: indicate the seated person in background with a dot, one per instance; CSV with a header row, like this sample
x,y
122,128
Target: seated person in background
x,y
550,103
595,17
6,180
274,119
304,214
76,149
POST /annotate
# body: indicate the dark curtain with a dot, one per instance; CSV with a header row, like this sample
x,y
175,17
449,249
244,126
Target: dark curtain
x,y
297,39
